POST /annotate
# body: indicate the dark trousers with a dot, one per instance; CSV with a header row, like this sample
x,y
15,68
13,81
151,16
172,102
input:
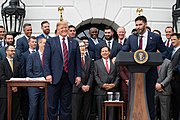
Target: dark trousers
x,y
24,104
150,93
15,107
175,99
63,91
36,103
81,102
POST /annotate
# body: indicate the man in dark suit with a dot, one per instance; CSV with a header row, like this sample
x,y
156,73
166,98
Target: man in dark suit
x,y
109,41
121,32
175,84
2,34
9,40
93,40
24,93
149,42
9,68
22,43
81,97
106,78
34,69
45,27
163,91
62,67
87,52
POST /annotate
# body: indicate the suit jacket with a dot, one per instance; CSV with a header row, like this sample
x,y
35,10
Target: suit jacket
x,y
22,44
165,76
34,67
86,76
116,47
154,43
92,46
175,60
53,59
102,77
3,54
124,75
23,62
41,36
6,73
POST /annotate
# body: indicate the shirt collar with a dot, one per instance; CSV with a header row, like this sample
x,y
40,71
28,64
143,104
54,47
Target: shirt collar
x,y
31,50
9,58
145,34
60,37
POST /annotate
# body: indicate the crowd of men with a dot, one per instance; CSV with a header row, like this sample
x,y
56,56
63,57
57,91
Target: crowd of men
x,y
81,71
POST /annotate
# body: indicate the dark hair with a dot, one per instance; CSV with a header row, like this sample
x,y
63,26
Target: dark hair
x,y
32,37
108,27
141,18
26,24
55,31
84,37
103,46
169,27
43,22
176,34
157,31
72,26
1,26
8,34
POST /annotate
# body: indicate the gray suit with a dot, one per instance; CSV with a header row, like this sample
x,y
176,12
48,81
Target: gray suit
x,y
163,98
102,77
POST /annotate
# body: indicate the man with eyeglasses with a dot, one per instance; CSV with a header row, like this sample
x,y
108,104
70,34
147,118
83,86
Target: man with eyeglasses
x,y
9,67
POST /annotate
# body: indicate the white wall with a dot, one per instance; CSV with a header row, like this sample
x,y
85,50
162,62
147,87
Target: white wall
x,y
122,12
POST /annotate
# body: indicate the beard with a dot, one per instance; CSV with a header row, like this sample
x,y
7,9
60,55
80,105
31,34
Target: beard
x,y
47,31
10,43
108,37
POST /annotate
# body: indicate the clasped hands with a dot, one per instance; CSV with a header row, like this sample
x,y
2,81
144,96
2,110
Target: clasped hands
x,y
85,88
158,87
108,86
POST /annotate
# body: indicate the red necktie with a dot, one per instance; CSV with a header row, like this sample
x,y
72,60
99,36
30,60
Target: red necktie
x,y
168,43
140,42
82,61
107,66
65,52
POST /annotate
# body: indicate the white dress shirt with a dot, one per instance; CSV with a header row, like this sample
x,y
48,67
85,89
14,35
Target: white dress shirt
x,y
61,42
111,43
144,40
104,61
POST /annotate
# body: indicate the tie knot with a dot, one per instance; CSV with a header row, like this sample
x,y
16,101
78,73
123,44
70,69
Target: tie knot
x,y
63,38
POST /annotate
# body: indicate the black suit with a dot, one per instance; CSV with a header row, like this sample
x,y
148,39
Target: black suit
x,y
82,100
5,74
116,47
102,77
175,84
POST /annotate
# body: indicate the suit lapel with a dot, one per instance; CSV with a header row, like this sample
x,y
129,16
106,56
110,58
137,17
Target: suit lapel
x,y
70,47
149,40
57,40
8,66
111,66
38,59
135,43
103,65
175,54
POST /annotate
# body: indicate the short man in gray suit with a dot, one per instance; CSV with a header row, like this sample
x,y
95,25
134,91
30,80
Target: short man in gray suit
x,y
163,90
106,80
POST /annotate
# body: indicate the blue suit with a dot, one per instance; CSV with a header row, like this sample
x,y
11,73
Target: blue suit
x,y
61,82
154,43
92,46
22,44
34,69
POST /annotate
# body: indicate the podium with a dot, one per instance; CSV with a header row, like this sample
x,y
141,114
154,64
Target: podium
x,y
138,108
